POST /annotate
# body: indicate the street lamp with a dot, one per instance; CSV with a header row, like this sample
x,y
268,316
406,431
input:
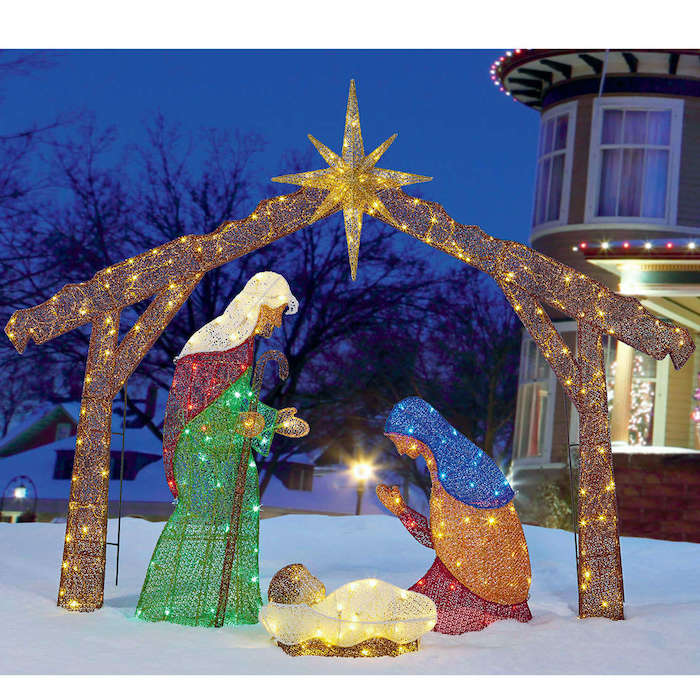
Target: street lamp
x,y
18,499
362,471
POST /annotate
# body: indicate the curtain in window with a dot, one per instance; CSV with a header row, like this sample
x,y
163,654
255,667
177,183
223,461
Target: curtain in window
x,y
549,183
533,397
634,163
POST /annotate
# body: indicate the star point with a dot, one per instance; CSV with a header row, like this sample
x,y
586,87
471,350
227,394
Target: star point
x,y
352,181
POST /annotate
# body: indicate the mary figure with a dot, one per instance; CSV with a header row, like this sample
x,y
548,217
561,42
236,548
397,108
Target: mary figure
x,y
481,571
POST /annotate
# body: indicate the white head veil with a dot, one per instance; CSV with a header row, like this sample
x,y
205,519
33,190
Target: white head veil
x,y
241,316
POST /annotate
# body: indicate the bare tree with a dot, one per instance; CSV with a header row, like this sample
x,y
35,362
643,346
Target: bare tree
x,y
354,348
461,356
22,183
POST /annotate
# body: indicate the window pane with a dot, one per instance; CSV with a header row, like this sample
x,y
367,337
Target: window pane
x,y
555,188
542,398
542,364
612,126
644,366
538,194
62,431
543,194
549,136
540,145
609,179
523,419
560,135
655,176
531,372
641,425
538,415
635,126
631,183
659,128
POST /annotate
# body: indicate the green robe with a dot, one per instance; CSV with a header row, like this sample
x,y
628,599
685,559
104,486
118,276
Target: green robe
x,y
184,577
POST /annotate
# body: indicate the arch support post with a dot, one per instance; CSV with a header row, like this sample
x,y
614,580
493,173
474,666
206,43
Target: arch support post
x,y
601,592
81,586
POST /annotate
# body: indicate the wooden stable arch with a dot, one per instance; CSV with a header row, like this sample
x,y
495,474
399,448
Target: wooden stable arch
x,y
169,274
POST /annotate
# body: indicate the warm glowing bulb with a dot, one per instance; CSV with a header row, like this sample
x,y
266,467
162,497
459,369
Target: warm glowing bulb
x,y
362,471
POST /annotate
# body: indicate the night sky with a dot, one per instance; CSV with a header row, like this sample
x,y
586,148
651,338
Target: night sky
x,y
452,123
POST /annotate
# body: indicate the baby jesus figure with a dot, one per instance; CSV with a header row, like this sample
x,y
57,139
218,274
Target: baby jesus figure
x,y
362,618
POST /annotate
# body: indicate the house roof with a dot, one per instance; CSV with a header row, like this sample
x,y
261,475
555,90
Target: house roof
x,y
540,77
665,278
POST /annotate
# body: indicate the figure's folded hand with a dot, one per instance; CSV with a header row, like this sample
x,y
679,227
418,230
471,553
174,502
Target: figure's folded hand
x,y
290,425
250,423
391,498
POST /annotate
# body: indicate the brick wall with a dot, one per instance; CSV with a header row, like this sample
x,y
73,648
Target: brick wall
x,y
658,495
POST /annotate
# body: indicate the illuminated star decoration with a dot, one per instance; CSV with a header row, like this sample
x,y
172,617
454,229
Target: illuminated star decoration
x,y
352,180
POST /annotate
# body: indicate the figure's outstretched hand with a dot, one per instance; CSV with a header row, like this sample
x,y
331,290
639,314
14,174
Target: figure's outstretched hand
x,y
391,498
290,425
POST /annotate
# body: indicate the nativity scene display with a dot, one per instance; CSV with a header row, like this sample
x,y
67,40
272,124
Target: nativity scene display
x,y
204,570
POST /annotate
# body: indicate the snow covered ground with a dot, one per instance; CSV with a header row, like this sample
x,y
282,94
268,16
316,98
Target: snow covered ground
x,y
660,635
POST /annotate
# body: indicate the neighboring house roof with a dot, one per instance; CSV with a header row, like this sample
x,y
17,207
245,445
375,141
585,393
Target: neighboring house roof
x,y
73,409
21,435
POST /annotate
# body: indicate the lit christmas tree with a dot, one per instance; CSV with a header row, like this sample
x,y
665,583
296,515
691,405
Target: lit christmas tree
x,y
641,418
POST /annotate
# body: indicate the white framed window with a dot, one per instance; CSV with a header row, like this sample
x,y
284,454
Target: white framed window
x,y
634,160
535,408
554,160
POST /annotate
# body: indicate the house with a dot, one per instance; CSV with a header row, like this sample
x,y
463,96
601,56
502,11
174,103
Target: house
x,y
617,196
42,448
49,466
45,424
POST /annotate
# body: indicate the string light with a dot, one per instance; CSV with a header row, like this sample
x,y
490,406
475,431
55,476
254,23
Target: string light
x,y
78,304
536,278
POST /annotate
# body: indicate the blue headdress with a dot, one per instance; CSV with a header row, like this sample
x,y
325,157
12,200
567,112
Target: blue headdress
x,y
465,472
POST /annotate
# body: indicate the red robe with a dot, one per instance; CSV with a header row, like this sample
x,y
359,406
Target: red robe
x,y
200,378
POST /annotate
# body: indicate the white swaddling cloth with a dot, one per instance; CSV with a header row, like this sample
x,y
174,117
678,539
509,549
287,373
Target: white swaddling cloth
x,y
353,613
